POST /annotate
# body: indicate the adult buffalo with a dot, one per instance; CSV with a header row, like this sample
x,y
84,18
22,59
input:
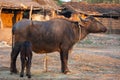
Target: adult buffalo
x,y
53,35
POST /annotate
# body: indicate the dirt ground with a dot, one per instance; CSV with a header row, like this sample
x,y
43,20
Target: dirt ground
x,y
97,57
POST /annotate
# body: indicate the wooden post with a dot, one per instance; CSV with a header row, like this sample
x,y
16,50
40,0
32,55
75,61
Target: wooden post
x,y
110,23
1,23
14,17
19,16
46,62
44,13
30,14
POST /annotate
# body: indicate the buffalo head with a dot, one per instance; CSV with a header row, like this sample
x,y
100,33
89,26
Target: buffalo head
x,y
92,25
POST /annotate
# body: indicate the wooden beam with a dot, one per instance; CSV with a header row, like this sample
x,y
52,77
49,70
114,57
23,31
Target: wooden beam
x,y
1,23
30,14
14,17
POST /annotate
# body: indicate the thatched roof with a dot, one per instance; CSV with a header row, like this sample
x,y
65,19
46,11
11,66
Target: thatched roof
x,y
48,4
94,9
26,4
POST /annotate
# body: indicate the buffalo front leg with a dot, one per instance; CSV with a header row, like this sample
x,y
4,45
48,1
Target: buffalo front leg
x,y
64,62
14,54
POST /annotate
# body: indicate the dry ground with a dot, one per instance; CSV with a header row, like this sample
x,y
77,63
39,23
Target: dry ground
x,y
97,57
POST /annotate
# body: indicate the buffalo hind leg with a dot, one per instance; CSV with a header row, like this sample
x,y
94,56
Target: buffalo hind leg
x,y
23,64
14,54
64,62
28,67
28,58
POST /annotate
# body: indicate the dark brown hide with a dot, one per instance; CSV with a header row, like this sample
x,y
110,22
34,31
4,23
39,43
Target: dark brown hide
x,y
53,35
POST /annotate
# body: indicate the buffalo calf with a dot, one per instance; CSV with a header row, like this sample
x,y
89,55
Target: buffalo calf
x,y
26,57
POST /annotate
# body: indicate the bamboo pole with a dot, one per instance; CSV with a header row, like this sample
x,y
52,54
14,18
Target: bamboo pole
x,y
30,14
1,23
44,13
110,23
46,62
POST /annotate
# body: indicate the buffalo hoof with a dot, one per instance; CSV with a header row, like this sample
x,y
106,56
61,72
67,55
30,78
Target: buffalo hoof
x,y
13,71
67,72
28,75
21,75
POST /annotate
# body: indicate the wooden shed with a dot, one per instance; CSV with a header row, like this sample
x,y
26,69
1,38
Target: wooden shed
x,y
12,11
108,14
48,7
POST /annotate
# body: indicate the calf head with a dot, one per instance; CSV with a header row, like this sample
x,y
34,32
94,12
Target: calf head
x,y
92,25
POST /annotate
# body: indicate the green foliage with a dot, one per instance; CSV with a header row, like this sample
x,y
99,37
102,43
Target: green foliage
x,y
59,2
102,1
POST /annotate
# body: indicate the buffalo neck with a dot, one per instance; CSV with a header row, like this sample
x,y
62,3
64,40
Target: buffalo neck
x,y
83,33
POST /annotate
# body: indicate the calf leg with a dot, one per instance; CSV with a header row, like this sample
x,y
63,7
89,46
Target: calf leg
x,y
64,61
